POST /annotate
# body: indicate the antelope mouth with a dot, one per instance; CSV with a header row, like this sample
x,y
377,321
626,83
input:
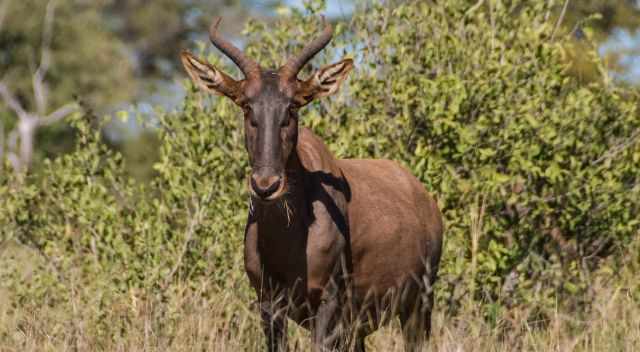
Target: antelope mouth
x,y
280,191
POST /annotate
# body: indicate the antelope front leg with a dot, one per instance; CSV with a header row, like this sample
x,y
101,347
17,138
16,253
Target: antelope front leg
x,y
274,323
326,332
326,243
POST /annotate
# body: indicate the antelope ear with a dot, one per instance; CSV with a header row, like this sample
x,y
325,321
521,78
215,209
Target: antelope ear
x,y
324,82
209,78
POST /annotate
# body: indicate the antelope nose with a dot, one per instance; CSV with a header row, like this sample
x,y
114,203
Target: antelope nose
x,y
265,186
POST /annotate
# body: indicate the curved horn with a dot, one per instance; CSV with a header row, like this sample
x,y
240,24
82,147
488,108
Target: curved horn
x,y
295,63
249,68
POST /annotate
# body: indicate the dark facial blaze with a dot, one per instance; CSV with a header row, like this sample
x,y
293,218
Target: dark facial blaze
x,y
270,100
271,130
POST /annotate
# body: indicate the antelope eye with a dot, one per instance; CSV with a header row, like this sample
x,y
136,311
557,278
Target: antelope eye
x,y
286,122
249,115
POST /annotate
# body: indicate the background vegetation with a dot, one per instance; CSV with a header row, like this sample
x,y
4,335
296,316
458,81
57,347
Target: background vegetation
x,y
535,168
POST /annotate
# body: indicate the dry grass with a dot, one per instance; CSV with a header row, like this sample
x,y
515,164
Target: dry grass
x,y
205,317
188,319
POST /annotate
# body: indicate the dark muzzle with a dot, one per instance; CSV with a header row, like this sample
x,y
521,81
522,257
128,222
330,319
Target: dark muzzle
x,y
265,183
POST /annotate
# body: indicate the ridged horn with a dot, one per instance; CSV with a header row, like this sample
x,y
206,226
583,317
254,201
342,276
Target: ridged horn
x,y
249,68
295,63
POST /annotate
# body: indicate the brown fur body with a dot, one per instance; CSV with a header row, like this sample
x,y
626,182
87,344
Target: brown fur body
x,y
336,245
372,214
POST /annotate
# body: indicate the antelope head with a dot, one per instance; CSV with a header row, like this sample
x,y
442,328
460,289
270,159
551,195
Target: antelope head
x,y
270,100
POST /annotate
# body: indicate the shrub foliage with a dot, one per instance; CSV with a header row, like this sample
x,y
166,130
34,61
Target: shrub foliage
x,y
536,174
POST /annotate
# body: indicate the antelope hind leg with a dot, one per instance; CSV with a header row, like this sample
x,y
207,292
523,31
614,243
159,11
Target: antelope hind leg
x,y
416,322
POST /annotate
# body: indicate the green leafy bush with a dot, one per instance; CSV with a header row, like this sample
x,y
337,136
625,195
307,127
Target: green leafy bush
x,y
536,174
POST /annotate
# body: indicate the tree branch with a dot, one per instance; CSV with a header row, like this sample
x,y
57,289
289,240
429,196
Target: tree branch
x,y
560,19
39,87
58,115
193,225
12,102
634,138
473,8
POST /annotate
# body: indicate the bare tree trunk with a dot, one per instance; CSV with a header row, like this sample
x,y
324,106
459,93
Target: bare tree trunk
x,y
20,143
27,128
